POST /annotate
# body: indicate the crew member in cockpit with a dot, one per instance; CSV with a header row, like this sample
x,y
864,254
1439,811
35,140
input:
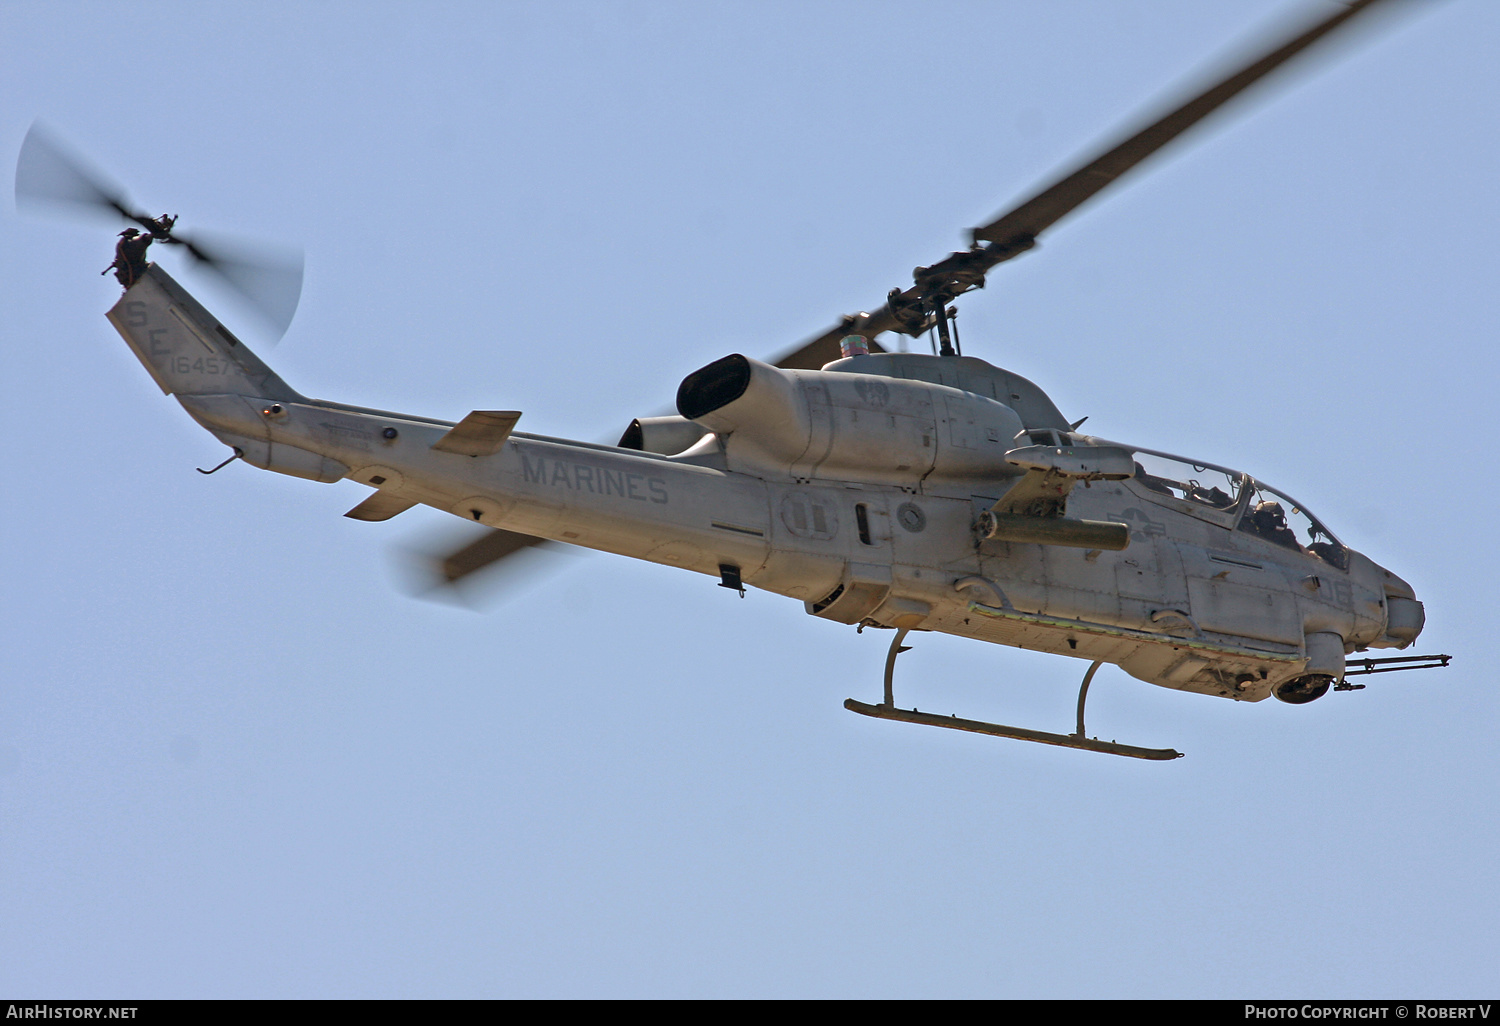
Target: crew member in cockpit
x,y
1268,520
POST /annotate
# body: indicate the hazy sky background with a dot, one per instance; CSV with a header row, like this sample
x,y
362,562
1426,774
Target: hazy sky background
x,y
237,759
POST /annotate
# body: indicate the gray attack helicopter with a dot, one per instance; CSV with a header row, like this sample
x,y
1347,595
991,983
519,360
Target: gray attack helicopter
x,y
895,490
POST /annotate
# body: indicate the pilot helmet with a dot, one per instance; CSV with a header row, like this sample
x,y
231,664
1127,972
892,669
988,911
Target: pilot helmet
x,y
1270,512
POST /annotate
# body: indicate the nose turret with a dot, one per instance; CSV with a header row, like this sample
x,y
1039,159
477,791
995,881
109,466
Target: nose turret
x,y
1404,616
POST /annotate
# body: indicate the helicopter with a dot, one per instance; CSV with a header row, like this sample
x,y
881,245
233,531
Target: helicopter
x,y
888,490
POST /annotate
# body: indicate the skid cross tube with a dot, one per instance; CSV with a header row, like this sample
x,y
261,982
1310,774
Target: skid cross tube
x,y
887,711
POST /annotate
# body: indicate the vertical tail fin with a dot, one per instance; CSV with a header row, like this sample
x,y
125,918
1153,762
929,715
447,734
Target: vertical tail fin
x,y
185,348
222,384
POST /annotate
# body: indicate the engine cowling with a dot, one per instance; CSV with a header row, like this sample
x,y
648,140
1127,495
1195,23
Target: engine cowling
x,y
845,426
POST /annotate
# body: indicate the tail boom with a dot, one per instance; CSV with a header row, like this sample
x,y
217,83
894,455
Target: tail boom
x,y
632,503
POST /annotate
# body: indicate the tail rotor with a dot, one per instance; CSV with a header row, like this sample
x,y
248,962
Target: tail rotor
x,y
50,178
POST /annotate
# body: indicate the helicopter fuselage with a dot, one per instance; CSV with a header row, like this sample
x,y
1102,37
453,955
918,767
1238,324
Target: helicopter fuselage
x,y
855,489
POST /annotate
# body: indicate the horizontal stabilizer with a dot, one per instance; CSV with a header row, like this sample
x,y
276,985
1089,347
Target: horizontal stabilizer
x,y
380,506
481,433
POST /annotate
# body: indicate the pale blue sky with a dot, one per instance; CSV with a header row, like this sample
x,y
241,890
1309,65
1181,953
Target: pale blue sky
x,y
237,760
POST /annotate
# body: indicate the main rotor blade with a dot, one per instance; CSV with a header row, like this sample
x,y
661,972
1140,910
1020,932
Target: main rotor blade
x,y
1050,205
47,173
814,354
1014,232
269,280
485,551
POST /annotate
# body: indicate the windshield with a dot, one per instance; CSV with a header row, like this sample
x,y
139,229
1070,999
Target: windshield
x,y
1283,521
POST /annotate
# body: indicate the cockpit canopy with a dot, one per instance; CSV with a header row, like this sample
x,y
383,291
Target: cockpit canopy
x,y
1237,501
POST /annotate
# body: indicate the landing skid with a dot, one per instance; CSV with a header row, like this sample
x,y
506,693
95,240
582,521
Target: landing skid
x,y
887,711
